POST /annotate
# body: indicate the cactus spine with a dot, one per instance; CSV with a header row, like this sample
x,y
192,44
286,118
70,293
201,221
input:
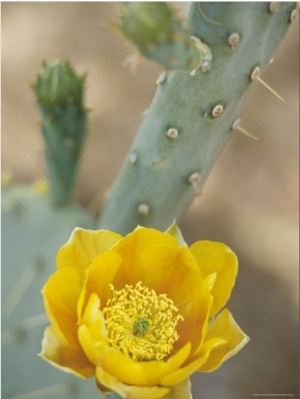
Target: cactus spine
x,y
192,117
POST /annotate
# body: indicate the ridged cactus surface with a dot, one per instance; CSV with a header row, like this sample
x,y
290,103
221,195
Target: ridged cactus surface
x,y
193,115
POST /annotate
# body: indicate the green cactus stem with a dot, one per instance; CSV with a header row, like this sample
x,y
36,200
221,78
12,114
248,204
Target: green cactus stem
x,y
192,117
160,37
59,94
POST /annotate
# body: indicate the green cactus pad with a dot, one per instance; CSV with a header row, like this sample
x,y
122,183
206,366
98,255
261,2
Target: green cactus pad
x,y
32,232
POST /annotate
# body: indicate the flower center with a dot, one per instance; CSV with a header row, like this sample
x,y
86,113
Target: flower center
x,y
140,323
140,327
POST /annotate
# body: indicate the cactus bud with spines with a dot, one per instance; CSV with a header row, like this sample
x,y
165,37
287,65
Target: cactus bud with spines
x,y
159,36
59,94
169,169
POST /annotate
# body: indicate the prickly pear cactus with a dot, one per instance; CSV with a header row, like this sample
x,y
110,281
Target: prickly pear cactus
x,y
212,64
192,114
32,232
35,223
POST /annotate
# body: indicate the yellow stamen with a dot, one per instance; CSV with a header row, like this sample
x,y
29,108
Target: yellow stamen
x,y
140,323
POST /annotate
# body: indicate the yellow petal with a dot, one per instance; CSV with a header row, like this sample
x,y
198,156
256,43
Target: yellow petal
x,y
94,350
196,316
83,246
215,257
94,320
143,373
178,376
167,269
170,270
133,245
64,357
181,374
99,276
103,378
61,293
124,368
225,328
173,271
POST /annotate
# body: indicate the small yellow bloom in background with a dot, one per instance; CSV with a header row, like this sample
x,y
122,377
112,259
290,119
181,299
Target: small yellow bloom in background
x,y
140,313
40,187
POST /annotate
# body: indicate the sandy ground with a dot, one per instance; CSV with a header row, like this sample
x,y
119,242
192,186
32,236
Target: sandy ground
x,y
250,200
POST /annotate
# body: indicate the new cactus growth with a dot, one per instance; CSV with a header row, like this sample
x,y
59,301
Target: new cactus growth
x,y
59,94
160,37
192,117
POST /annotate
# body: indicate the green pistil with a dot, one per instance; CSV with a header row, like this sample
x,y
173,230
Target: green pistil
x,y
141,327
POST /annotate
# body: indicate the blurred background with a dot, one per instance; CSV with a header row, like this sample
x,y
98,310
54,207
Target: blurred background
x,y
250,200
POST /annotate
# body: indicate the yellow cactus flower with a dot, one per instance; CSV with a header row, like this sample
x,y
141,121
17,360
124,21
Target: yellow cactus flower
x,y
140,313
